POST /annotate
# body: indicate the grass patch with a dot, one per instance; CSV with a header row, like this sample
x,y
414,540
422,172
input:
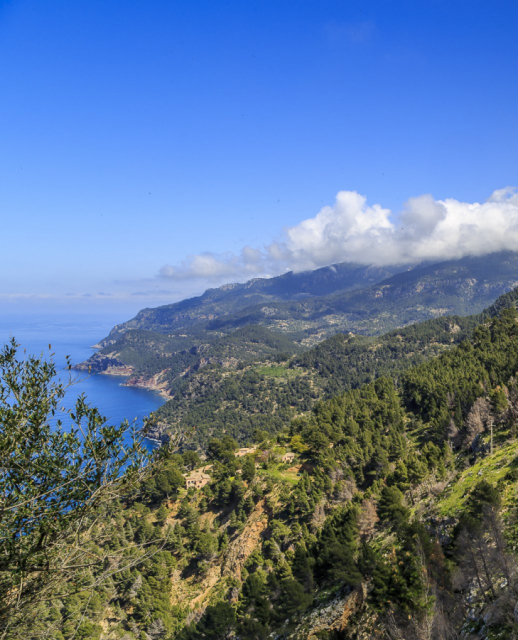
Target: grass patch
x,y
277,474
279,371
492,468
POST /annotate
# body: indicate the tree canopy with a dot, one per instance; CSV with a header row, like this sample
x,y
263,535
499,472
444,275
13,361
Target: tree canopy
x,y
57,470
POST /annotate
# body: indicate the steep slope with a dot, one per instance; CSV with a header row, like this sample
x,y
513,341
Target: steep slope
x,y
396,518
343,296
267,396
162,348
155,360
231,298
456,287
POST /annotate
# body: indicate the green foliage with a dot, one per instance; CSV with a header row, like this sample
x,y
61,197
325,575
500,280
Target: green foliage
x,y
222,449
336,548
391,508
451,383
216,623
498,401
164,484
358,519
190,459
56,475
248,469
483,495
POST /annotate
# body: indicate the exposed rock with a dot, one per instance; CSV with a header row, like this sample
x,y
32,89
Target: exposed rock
x,y
158,432
153,383
334,616
107,364
240,549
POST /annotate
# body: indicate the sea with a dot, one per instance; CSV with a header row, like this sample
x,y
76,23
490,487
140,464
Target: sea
x,y
74,336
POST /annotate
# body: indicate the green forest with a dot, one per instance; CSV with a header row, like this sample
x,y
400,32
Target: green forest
x,y
272,319
394,516
265,395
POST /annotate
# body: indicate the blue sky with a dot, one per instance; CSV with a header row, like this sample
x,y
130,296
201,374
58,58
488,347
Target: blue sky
x,y
152,149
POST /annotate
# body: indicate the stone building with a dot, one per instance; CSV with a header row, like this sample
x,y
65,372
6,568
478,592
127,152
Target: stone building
x,y
197,479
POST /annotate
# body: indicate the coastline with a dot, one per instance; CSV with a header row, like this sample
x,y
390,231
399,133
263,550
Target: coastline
x,y
161,391
74,336
136,381
110,366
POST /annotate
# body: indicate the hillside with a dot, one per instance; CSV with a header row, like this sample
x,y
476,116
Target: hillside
x,y
366,299
232,298
266,396
269,320
393,516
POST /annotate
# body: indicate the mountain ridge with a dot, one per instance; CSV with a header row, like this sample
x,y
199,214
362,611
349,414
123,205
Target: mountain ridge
x,y
453,276
267,289
174,340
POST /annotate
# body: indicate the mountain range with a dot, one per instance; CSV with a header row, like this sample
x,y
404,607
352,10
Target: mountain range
x,y
311,305
273,319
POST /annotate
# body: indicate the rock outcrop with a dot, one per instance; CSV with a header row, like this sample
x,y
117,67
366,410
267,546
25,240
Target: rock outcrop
x,y
107,364
335,616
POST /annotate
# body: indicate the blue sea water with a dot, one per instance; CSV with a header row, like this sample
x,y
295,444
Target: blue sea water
x,y
74,336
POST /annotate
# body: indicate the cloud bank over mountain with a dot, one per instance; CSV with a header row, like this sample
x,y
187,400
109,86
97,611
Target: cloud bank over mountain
x,y
351,230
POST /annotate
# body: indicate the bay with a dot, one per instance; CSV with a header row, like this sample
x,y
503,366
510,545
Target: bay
x,y
74,336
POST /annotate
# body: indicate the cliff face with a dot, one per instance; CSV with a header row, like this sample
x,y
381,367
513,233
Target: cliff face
x,y
157,382
107,364
347,615
158,432
114,366
242,547
198,591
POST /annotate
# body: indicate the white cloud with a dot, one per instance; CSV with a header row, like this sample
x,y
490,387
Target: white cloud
x,y
215,267
350,230
345,229
508,194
